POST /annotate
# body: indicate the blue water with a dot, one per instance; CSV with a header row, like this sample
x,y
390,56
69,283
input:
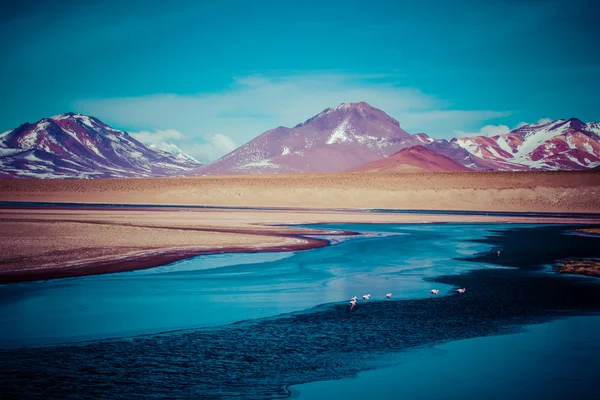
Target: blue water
x,y
250,325
546,361
220,289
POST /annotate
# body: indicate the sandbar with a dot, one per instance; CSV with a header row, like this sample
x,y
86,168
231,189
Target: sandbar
x,y
46,242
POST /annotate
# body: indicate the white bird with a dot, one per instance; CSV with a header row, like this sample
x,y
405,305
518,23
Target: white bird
x,y
366,296
388,296
461,291
434,291
352,304
354,299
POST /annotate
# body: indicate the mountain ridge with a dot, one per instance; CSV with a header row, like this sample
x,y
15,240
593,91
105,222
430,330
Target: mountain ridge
x,y
340,138
73,145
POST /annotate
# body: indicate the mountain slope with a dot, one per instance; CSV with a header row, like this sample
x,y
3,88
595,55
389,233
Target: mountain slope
x,y
334,140
413,159
557,145
76,146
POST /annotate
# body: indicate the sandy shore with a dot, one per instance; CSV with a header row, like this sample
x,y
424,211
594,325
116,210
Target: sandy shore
x,y
38,243
42,243
493,191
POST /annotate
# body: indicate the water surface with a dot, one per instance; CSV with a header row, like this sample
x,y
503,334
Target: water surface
x,y
249,327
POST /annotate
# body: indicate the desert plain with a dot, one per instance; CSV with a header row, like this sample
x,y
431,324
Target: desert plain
x,y
39,242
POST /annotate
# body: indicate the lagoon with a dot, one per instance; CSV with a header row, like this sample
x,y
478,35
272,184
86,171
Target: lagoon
x,y
251,325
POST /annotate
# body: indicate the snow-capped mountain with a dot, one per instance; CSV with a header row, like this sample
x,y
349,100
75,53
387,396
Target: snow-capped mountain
x,y
174,150
413,159
77,146
557,145
336,139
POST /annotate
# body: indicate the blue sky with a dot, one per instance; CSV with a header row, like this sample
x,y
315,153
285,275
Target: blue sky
x,y
211,75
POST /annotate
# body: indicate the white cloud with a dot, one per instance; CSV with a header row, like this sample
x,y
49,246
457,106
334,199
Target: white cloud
x,y
543,121
160,135
255,104
521,124
487,130
493,130
213,147
540,121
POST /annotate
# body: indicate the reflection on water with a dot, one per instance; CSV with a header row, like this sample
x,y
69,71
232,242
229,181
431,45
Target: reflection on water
x,y
259,358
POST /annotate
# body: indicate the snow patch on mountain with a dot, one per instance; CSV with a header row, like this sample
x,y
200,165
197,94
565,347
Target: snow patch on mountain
x,y
560,144
340,134
588,147
504,145
536,137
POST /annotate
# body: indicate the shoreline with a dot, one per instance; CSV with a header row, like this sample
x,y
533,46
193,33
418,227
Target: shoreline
x,y
33,205
62,242
142,261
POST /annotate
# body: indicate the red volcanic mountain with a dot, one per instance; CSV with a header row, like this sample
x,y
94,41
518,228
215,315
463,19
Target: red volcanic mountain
x,y
334,140
76,146
557,145
413,159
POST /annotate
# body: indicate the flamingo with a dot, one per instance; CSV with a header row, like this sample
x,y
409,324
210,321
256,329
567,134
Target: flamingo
x,y
367,297
434,291
388,296
461,291
352,304
354,299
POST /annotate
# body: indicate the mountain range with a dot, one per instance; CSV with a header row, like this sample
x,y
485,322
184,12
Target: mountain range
x,y
350,137
556,145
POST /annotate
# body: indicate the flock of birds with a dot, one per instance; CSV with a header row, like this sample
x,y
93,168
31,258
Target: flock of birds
x,y
433,292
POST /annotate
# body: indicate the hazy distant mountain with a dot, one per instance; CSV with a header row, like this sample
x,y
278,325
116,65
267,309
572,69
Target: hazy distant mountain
x,y
77,146
557,145
413,159
334,140
174,150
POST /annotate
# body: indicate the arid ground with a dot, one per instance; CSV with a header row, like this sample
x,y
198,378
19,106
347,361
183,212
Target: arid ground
x,y
490,191
53,242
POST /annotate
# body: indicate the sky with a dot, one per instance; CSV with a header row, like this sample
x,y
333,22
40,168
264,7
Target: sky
x,y
211,75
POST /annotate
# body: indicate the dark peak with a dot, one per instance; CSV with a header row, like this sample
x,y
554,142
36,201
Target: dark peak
x,y
576,123
571,123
